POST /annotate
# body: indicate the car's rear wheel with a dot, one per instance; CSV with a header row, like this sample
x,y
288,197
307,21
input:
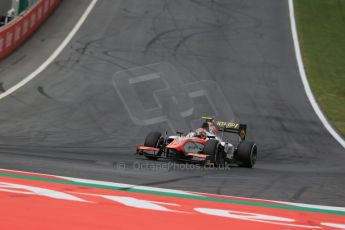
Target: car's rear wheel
x,y
212,148
247,153
152,140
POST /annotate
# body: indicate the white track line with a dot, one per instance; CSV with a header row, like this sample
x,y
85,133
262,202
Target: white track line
x,y
52,57
305,82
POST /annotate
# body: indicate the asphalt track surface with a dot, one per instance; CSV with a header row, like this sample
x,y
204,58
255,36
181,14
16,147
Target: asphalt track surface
x,y
137,66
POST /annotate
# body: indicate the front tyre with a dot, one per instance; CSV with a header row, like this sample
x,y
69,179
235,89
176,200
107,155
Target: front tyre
x,y
213,148
247,153
153,140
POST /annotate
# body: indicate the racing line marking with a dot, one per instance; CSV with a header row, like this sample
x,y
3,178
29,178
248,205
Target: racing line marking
x,y
54,55
304,79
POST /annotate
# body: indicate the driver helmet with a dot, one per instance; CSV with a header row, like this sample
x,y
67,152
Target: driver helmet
x,y
201,133
212,128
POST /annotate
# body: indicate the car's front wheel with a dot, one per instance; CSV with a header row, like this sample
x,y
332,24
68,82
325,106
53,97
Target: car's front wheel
x,y
213,148
152,140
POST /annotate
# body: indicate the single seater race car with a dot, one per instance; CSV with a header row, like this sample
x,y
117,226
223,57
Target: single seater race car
x,y
205,145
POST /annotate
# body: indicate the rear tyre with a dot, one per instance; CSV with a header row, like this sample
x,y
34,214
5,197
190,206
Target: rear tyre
x,y
247,154
212,148
152,140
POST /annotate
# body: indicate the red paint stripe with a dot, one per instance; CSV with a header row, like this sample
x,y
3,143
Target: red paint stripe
x,y
37,212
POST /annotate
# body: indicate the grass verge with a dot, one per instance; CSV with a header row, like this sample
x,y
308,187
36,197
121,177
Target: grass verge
x,y
321,31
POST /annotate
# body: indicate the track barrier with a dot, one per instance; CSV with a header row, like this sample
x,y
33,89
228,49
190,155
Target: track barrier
x,y
17,31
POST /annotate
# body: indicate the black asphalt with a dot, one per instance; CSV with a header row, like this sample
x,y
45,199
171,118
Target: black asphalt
x,y
137,66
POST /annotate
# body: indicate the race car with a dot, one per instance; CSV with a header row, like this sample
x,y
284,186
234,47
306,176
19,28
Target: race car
x,y
205,145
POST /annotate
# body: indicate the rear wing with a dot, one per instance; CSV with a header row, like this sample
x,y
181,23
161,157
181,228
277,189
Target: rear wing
x,y
232,127
207,119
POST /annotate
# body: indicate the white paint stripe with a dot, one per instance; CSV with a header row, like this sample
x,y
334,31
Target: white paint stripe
x,y
127,186
45,64
305,80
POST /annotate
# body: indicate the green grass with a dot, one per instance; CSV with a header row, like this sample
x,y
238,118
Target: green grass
x,y
321,31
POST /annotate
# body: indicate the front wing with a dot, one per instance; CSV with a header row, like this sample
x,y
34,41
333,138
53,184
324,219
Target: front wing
x,y
168,154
